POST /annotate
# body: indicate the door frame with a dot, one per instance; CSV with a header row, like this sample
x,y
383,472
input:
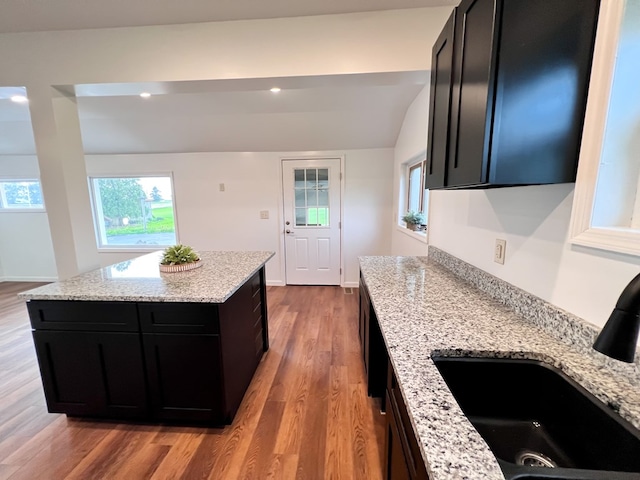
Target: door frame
x,y
281,219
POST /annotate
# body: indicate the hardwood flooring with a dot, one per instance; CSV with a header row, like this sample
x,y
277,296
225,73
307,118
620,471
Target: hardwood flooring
x,y
306,414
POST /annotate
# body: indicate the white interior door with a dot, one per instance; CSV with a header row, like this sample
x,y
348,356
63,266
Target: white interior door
x,y
312,221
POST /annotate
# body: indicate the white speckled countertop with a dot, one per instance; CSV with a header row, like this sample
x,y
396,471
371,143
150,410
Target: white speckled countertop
x,y
140,280
424,309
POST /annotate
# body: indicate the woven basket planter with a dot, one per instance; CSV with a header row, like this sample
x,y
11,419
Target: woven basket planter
x,y
180,268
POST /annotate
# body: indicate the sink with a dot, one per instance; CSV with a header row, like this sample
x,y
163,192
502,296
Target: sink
x,y
539,423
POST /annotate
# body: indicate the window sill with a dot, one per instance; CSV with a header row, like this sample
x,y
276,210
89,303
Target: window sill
x,y
126,249
421,236
22,210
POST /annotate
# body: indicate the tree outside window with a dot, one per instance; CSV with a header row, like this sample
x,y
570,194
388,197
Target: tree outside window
x,y
19,194
134,212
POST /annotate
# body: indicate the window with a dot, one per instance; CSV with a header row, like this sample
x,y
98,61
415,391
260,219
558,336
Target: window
x,y
606,207
134,212
416,188
311,187
20,194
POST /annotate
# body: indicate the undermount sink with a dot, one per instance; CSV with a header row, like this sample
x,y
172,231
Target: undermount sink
x,y
539,423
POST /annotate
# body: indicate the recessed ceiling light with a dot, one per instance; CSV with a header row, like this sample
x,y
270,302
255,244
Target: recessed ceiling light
x,y
275,89
145,94
19,99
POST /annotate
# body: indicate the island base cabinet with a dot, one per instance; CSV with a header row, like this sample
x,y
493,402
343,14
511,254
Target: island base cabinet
x,y
171,361
184,377
92,373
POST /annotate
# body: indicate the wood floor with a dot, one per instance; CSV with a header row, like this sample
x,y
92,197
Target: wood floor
x,y
306,414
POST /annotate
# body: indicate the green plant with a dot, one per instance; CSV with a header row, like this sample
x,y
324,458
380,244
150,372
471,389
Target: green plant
x,y
413,218
179,254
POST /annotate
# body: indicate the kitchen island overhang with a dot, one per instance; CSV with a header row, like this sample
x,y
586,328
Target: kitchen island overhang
x,y
129,342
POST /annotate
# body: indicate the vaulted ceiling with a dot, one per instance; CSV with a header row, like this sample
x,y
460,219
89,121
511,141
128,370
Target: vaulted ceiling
x,y
43,15
328,112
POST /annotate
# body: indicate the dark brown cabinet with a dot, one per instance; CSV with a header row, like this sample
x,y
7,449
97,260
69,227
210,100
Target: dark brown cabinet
x,y
374,351
518,72
170,361
403,459
440,106
92,373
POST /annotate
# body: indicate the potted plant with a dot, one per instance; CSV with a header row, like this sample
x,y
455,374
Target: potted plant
x,y
413,219
179,258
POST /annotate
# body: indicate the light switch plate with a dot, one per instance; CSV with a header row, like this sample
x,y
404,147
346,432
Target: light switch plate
x,y
222,187
499,252
264,214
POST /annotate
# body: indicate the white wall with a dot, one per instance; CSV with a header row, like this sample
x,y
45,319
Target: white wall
x,y
411,145
389,41
212,220
26,251
539,259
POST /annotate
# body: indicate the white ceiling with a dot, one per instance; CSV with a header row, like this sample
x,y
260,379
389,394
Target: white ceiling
x,y
310,113
43,15
331,112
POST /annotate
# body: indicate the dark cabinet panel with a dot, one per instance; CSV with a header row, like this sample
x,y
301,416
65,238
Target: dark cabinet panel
x,y
440,106
83,316
519,85
402,452
90,373
374,351
395,460
472,92
184,376
542,82
169,317
241,323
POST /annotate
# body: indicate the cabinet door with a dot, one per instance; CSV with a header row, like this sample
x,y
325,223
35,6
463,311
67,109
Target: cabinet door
x,y
395,460
184,376
92,373
440,107
472,91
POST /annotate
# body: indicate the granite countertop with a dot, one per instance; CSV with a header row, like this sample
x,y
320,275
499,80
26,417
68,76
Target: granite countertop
x,y
140,280
424,310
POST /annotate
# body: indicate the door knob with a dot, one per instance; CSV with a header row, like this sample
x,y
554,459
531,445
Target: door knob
x,y
288,231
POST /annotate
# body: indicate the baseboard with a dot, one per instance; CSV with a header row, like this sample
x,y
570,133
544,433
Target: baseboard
x,y
28,279
275,283
351,284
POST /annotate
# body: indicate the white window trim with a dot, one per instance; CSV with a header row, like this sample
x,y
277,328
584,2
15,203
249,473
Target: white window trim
x,y
622,240
130,248
404,194
21,210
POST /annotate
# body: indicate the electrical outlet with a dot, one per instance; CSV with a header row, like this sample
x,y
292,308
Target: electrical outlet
x,y
500,251
222,187
264,214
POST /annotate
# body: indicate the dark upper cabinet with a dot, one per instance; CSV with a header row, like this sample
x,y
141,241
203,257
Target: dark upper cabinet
x,y
518,93
440,106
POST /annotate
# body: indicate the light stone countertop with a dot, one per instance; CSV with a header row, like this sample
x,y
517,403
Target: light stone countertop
x,y
140,280
424,310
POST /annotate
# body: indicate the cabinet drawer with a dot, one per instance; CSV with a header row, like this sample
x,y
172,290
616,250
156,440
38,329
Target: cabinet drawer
x,y
255,283
84,316
179,317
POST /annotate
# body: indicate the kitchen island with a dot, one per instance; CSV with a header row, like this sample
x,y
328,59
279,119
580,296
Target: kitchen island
x,y
129,342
